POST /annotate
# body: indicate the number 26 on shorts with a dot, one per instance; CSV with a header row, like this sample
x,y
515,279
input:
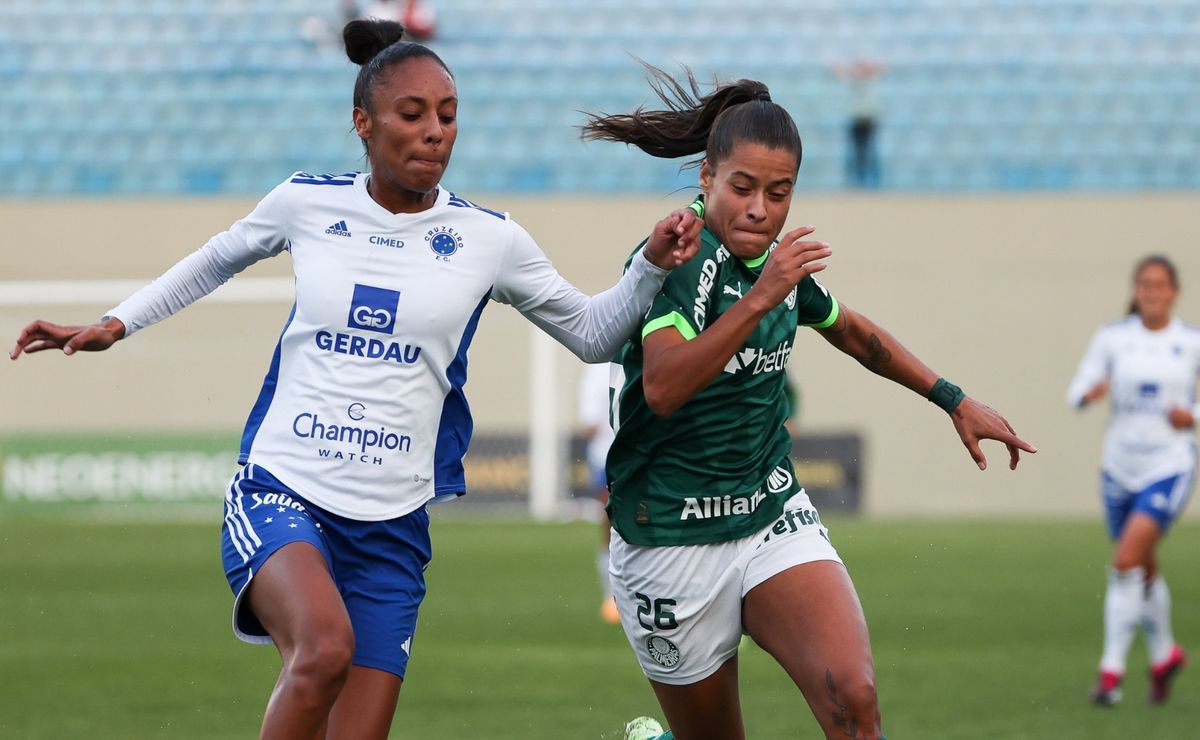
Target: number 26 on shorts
x,y
657,611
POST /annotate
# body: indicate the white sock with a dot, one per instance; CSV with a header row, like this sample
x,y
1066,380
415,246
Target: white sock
x,y
602,571
1122,613
1156,620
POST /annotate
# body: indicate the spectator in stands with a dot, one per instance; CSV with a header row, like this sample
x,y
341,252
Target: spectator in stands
x,y
1148,363
862,162
323,32
362,419
416,16
713,535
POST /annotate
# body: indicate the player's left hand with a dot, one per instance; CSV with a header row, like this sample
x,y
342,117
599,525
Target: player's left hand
x,y
675,239
1181,418
975,422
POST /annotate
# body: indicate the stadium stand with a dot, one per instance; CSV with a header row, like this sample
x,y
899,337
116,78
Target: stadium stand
x,y
229,96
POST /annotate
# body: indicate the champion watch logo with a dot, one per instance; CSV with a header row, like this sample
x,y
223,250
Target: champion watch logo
x,y
339,229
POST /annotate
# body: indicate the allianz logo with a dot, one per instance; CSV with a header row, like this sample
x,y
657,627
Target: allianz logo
x,y
709,507
757,360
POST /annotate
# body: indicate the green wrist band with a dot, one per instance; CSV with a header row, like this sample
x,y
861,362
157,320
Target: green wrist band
x,y
946,395
698,206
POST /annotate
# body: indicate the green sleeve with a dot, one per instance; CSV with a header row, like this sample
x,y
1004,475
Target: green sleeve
x,y
815,306
676,304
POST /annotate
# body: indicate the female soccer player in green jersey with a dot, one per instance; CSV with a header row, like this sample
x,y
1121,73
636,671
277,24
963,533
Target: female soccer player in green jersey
x,y
713,535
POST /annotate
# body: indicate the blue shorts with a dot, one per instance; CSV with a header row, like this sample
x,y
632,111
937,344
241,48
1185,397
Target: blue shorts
x,y
379,567
1163,500
598,477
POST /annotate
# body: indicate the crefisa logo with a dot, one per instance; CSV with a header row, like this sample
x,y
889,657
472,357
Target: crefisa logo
x,y
444,241
373,309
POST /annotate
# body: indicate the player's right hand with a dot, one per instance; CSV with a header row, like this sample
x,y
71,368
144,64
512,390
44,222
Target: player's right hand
x,y
675,239
43,335
792,261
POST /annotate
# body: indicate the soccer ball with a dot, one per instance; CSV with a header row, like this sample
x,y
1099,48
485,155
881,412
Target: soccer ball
x,y
643,728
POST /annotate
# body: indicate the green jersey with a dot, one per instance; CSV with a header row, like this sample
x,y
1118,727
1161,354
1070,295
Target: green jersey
x,y
718,468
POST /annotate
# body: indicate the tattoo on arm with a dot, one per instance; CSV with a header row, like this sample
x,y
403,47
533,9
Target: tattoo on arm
x,y
877,355
839,324
848,725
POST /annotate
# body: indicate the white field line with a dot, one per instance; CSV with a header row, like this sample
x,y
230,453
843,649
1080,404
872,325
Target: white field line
x,y
109,293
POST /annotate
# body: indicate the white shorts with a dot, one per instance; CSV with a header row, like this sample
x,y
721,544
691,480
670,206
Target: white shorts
x,y
681,607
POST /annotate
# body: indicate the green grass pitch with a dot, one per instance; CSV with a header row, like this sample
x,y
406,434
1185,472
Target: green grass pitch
x,y
115,628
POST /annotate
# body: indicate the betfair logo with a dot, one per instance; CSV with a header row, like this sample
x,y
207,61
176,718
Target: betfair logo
x,y
757,361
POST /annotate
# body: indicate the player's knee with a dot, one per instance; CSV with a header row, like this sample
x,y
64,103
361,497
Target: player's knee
x,y
319,666
857,709
1127,559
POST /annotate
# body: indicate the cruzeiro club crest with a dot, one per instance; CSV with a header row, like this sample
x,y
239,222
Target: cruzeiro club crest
x,y
662,651
444,241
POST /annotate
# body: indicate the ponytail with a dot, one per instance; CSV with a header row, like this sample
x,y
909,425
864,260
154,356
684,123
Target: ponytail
x,y
694,123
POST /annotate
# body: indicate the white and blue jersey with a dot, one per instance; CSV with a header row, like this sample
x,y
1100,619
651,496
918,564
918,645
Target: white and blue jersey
x,y
362,411
1148,374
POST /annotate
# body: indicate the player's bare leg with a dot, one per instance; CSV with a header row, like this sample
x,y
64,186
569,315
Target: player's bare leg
x,y
706,710
298,603
1135,546
366,706
810,620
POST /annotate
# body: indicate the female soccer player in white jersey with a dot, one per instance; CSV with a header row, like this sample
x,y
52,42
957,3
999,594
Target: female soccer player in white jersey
x,y
713,536
1148,364
362,419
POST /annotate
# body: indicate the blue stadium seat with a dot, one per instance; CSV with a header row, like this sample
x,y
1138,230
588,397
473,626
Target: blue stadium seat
x,y
227,96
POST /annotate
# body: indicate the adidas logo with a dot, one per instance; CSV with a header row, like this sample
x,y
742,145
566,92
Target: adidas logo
x,y
339,229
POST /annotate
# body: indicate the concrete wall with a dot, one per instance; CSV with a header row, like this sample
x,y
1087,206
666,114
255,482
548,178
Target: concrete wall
x,y
998,293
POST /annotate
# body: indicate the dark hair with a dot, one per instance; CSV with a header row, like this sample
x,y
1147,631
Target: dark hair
x,y
1149,261
376,46
693,123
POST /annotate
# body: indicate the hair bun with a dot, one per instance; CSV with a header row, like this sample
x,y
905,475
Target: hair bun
x,y
364,38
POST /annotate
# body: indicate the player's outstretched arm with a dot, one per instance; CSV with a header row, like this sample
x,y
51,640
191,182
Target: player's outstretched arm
x,y
879,352
43,335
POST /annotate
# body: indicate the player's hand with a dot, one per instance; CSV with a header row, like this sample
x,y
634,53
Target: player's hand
x,y
1096,392
975,422
1181,418
675,239
792,261
43,335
